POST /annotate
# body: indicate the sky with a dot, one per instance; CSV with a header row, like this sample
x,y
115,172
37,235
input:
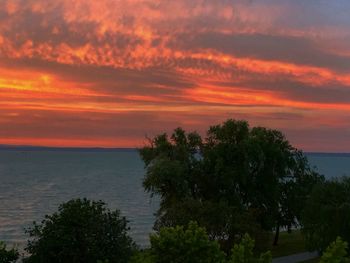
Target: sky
x,y
108,73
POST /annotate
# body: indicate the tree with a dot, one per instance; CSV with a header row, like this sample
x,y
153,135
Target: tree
x,y
192,245
81,231
327,214
243,252
236,180
8,255
179,245
336,252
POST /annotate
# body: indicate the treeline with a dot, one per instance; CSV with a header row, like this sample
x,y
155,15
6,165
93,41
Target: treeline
x,y
218,194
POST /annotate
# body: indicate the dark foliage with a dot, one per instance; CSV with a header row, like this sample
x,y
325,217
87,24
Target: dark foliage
x,y
81,231
237,180
179,245
8,255
327,214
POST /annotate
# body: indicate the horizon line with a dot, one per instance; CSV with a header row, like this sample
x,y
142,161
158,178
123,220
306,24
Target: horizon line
x,y
101,148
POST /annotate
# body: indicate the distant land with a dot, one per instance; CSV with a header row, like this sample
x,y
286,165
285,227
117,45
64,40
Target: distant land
x,y
5,147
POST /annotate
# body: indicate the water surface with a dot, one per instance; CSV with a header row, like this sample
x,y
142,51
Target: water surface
x,y
34,183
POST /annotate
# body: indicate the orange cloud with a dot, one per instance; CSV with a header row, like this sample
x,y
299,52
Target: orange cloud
x,y
151,65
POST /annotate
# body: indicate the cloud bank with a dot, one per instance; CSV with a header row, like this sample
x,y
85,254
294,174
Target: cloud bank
x,y
105,73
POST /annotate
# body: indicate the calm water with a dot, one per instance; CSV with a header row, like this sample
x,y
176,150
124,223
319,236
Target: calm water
x,y
33,183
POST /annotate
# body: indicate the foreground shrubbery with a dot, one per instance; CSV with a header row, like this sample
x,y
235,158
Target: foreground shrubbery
x,y
85,231
336,252
81,231
176,244
327,214
8,255
192,245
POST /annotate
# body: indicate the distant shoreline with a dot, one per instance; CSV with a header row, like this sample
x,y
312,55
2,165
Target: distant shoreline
x,y
28,148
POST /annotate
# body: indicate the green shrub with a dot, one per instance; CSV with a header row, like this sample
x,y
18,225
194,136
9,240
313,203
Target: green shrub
x,y
327,214
7,255
336,252
179,245
243,252
81,231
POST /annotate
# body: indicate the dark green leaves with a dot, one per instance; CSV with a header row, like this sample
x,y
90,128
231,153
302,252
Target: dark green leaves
x,y
81,231
247,172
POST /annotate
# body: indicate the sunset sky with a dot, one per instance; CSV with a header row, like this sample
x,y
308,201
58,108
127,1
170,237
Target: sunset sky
x,y
108,72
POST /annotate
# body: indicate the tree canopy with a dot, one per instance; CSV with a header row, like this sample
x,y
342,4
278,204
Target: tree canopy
x,y
179,245
8,255
244,252
81,231
327,214
191,244
336,252
237,179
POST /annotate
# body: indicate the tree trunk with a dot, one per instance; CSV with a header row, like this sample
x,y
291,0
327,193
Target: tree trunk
x,y
275,242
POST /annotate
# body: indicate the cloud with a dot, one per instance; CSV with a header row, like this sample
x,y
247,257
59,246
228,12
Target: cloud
x,y
133,66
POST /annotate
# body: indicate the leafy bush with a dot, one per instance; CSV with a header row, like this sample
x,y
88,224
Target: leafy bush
x,y
243,252
8,255
336,252
81,231
192,245
327,214
179,245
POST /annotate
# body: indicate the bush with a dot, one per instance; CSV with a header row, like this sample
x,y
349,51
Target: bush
x,y
179,245
243,252
327,214
336,252
192,245
81,231
7,255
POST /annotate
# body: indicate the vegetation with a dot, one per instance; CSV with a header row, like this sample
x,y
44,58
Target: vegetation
x,y
192,245
81,231
243,253
179,245
327,214
336,252
8,255
236,183
237,180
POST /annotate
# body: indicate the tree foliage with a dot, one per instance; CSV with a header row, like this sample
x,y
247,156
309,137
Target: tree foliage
x,y
8,255
81,231
336,252
192,245
244,252
179,245
236,180
327,214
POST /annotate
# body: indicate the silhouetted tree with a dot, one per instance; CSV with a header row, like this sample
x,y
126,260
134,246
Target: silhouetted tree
x,y
8,255
237,180
327,214
81,231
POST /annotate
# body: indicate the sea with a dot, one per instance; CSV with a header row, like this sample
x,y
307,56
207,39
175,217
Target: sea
x,y
34,181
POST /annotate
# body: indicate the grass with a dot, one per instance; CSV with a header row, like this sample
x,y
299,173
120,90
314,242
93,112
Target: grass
x,y
288,244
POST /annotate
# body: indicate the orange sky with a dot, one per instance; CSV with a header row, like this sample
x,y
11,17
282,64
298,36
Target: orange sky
x,y
108,72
